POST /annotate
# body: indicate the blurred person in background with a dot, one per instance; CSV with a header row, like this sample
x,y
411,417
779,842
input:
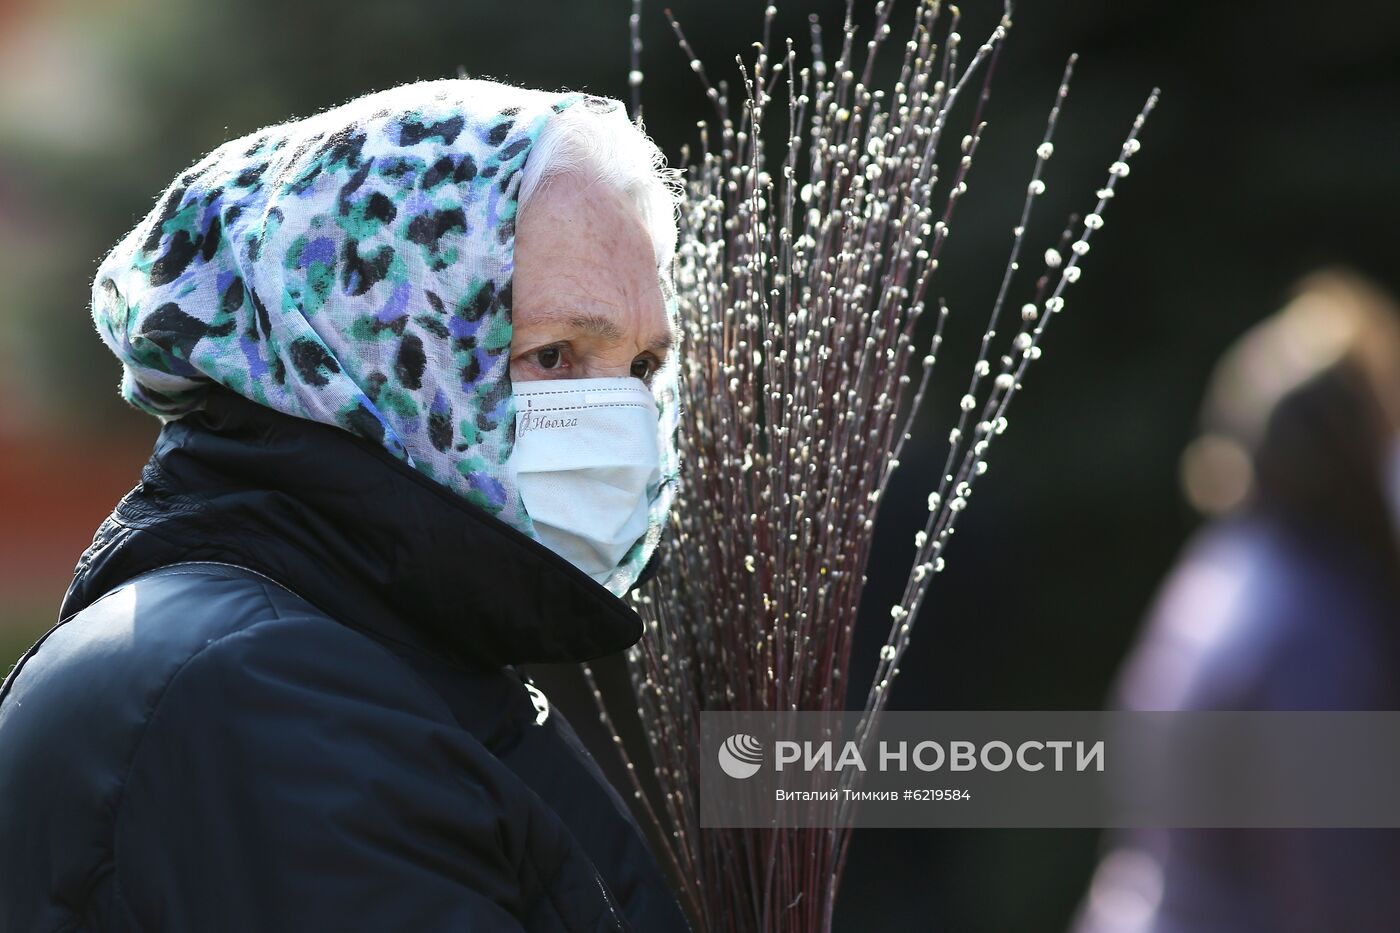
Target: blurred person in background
x,y
412,358
1289,599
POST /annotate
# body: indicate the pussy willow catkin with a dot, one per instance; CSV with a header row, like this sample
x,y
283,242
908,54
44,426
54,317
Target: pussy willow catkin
x,y
802,275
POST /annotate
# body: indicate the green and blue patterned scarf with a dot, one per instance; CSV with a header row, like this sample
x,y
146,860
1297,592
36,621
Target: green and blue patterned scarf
x,y
354,268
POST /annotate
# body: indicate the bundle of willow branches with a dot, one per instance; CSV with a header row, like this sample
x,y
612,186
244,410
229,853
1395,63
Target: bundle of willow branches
x,y
802,275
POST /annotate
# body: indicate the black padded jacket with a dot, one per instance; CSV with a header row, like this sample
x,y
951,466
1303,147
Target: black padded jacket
x,y
284,695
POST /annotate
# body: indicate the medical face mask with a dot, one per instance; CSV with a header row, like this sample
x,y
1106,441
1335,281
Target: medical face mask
x,y
585,458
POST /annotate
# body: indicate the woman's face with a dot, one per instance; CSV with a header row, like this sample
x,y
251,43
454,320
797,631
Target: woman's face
x,y
587,295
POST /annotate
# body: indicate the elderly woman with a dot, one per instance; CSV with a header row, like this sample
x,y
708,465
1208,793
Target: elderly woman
x,y
414,360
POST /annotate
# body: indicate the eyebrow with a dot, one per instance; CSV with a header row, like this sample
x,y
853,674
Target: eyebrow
x,y
593,324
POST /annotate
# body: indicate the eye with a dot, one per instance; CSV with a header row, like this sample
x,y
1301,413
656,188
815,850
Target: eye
x,y
643,368
548,357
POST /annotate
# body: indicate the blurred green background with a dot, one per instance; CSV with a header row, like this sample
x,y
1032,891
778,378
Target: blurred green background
x,y
1275,150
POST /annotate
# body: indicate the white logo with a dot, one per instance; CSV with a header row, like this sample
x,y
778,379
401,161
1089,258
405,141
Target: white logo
x,y
741,755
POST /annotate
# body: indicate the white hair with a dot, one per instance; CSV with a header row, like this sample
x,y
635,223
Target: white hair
x,y
608,149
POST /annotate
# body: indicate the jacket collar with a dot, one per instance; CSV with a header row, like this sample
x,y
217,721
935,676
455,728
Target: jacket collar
x,y
356,532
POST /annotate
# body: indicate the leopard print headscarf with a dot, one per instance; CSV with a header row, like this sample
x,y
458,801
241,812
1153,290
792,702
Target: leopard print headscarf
x,y
354,268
